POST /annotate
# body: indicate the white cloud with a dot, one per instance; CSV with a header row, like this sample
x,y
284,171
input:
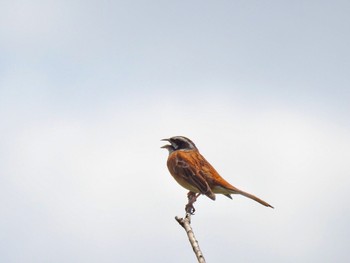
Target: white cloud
x,y
88,90
105,179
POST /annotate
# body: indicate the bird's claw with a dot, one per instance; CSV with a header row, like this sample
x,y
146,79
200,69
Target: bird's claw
x,y
190,209
192,198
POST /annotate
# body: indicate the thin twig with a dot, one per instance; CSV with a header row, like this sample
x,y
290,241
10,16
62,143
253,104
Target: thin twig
x,y
186,224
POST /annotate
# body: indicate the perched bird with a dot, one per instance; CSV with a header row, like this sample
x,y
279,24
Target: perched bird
x,y
193,172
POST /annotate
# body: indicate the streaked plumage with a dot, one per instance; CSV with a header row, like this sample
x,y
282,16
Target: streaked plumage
x,y
193,172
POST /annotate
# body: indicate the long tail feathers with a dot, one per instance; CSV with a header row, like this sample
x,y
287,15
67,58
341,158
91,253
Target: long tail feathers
x,y
253,197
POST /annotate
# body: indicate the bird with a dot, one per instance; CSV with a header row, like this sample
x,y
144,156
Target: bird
x,y
194,173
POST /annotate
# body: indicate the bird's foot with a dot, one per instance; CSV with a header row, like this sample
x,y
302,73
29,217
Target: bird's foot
x,y
192,198
190,209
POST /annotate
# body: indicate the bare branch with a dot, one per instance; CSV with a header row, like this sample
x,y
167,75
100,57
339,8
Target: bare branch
x,y
186,224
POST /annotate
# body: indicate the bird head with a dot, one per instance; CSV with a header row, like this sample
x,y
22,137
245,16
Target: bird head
x,y
179,143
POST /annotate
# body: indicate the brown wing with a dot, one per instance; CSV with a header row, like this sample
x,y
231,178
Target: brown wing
x,y
189,168
212,176
220,185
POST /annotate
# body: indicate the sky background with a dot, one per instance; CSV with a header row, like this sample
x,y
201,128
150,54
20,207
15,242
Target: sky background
x,y
88,89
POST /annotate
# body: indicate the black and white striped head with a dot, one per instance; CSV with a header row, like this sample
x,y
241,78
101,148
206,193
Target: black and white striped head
x,y
179,143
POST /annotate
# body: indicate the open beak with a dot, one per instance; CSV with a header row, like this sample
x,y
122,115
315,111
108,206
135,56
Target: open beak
x,y
167,145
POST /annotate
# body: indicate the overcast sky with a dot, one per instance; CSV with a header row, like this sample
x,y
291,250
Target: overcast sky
x,y
88,89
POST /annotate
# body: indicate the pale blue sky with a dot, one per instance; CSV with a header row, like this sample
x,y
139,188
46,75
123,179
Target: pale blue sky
x,y
87,90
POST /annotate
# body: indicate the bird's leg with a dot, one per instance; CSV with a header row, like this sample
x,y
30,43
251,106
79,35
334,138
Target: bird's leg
x,y
192,197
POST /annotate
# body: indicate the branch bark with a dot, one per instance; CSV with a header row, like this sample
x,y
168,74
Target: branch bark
x,y
186,224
